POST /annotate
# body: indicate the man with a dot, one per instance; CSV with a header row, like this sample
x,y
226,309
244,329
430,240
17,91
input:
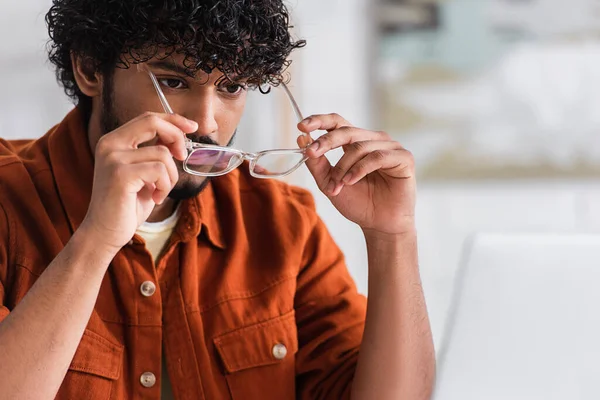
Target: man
x,y
124,276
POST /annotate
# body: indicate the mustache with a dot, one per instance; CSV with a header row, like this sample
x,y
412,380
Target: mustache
x,y
205,139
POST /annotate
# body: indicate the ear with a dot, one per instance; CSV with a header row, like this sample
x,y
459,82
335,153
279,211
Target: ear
x,y
88,80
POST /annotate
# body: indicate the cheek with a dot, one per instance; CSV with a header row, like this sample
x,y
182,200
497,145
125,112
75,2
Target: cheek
x,y
129,106
228,120
130,98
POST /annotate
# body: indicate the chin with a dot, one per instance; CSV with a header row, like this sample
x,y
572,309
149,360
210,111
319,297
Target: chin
x,y
189,186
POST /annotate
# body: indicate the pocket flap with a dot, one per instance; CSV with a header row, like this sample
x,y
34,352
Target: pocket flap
x,y
98,356
252,346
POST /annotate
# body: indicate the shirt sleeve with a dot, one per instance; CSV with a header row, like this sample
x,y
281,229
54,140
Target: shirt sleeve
x,y
4,240
330,317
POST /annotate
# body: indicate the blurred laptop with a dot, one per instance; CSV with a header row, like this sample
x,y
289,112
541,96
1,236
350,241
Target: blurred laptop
x,y
525,320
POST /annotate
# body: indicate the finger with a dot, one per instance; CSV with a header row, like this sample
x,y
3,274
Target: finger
x,y
320,168
154,122
326,122
357,151
147,192
142,176
343,137
396,163
169,129
150,154
304,140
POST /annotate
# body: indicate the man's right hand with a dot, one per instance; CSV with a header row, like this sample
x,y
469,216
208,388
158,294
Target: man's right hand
x,y
132,177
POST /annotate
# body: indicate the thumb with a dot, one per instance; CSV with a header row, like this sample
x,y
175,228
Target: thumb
x,y
318,167
320,170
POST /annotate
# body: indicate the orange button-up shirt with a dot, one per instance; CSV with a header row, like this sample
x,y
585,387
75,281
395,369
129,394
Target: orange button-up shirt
x,y
253,299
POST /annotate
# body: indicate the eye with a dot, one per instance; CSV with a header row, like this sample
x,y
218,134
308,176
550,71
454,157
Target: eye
x,y
232,89
172,83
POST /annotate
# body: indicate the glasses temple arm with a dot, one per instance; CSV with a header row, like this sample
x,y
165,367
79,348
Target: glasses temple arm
x,y
161,95
166,106
293,102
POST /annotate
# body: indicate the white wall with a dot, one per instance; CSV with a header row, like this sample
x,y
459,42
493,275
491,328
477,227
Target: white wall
x,y
30,100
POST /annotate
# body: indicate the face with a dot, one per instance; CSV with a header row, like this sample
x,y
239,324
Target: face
x,y
216,104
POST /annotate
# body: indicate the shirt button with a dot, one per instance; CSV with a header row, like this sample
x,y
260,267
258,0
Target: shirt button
x,y
148,379
148,288
279,351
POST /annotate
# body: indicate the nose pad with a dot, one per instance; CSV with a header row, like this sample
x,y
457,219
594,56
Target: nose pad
x,y
189,145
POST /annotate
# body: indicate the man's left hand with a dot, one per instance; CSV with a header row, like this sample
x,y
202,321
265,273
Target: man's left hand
x,y
373,184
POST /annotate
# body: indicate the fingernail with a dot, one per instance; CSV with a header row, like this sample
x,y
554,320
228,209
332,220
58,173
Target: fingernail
x,y
347,178
193,123
314,146
306,121
330,187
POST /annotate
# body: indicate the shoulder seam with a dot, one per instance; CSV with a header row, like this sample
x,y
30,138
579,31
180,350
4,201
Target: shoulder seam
x,y
9,163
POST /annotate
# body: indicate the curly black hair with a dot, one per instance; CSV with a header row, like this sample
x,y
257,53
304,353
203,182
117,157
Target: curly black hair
x,y
246,38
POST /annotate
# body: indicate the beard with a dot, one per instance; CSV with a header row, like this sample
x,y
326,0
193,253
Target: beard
x,y
188,185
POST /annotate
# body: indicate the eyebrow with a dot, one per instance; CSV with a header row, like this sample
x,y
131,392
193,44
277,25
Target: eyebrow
x,y
171,66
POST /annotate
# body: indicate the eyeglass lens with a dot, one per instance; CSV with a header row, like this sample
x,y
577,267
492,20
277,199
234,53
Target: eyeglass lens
x,y
277,163
212,161
216,161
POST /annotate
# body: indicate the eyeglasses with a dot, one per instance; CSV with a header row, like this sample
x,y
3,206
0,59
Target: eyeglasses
x,y
211,160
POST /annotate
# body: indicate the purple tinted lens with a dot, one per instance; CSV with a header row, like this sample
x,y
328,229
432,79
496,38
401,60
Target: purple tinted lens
x,y
211,161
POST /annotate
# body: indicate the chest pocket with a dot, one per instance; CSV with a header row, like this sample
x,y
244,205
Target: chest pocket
x,y
95,367
259,360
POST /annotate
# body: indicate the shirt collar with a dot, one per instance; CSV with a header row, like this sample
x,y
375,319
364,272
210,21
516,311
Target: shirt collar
x,y
200,214
72,165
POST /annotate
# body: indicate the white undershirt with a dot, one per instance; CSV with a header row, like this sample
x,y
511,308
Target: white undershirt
x,y
156,235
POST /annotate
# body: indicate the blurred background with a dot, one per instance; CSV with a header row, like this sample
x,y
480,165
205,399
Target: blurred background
x,y
497,99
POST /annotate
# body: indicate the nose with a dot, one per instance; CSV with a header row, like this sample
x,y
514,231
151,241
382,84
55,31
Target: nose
x,y
204,114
